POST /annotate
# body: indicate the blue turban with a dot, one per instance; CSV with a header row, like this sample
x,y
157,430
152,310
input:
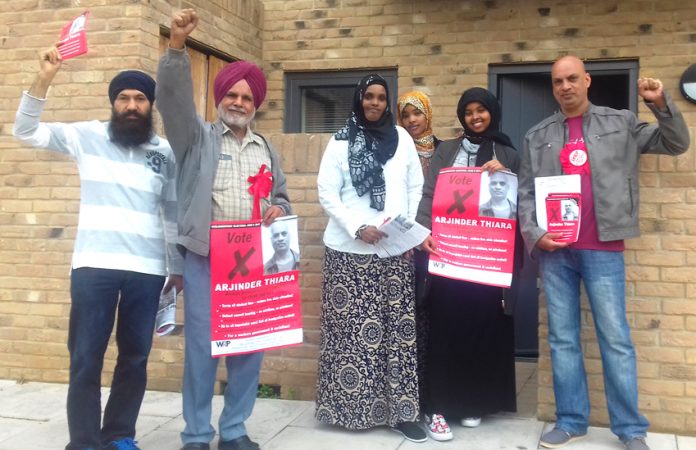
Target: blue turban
x,y
132,79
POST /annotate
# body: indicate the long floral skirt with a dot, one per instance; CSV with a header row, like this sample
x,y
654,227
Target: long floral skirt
x,y
367,355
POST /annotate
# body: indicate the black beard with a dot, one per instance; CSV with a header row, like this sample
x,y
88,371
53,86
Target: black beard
x,y
130,132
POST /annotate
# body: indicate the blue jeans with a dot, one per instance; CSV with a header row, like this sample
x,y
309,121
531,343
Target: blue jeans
x,y
98,295
200,367
603,275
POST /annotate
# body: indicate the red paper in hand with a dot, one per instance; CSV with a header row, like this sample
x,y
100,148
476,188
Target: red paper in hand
x,y
73,38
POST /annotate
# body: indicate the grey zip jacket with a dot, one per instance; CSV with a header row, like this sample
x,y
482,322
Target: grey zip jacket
x,y
615,139
196,144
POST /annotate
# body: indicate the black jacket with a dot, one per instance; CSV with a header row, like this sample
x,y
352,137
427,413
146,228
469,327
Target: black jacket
x,y
444,156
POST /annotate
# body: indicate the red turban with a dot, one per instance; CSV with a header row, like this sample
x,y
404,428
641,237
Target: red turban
x,y
237,71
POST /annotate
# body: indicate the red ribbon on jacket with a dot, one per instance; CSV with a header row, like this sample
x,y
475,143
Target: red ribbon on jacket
x,y
261,185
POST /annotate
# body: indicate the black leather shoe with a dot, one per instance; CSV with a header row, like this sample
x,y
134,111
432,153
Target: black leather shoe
x,y
196,446
241,443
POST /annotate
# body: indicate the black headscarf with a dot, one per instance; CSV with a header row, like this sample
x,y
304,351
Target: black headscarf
x,y
370,144
488,100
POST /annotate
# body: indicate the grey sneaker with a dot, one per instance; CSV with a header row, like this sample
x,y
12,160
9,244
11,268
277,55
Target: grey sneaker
x,y
558,438
636,443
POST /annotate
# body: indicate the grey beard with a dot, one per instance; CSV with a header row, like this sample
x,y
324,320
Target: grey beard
x,y
234,121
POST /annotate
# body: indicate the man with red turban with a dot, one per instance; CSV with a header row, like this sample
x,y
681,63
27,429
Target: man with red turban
x,y
215,161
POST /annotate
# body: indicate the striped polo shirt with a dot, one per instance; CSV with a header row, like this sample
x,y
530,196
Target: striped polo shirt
x,y
128,195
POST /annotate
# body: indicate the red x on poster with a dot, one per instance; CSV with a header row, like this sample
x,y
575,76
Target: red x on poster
x,y
474,221
252,310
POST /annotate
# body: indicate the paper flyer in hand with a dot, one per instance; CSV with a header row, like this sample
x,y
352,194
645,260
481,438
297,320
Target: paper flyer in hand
x,y
563,215
545,186
474,222
255,291
165,322
73,37
402,235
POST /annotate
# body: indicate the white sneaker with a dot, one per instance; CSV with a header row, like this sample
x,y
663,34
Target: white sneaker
x,y
437,428
471,422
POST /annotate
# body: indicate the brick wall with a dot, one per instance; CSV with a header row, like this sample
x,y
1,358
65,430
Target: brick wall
x,y
441,47
295,368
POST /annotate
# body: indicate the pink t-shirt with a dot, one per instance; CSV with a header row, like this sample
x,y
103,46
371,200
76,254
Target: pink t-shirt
x,y
574,160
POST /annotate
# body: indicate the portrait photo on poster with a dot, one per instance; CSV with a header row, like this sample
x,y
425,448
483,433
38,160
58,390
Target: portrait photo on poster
x,y
570,209
498,195
281,247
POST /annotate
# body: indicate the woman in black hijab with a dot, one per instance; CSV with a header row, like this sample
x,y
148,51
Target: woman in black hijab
x,y
367,356
470,367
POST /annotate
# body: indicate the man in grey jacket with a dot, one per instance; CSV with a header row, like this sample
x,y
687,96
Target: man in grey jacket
x,y
214,162
603,146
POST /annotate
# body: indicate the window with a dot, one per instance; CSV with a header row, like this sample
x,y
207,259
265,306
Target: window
x,y
525,94
320,102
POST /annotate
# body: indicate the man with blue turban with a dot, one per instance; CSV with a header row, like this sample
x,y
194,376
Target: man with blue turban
x,y
124,249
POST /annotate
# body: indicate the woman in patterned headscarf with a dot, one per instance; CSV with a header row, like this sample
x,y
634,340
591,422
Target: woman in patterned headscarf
x,y
416,116
367,355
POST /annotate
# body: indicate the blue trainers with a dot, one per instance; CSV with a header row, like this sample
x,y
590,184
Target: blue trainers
x,y
122,444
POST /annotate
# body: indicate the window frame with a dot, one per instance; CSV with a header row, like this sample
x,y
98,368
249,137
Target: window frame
x,y
296,81
628,66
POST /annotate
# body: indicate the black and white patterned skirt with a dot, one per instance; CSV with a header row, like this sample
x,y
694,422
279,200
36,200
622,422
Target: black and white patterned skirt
x,y
367,356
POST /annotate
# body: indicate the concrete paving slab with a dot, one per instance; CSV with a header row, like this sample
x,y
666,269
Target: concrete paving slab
x,y
28,400
324,437
11,427
158,403
306,418
49,435
177,424
686,443
270,417
276,424
160,440
659,441
148,425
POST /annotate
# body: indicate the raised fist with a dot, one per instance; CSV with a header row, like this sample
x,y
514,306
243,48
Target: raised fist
x,y
183,24
652,91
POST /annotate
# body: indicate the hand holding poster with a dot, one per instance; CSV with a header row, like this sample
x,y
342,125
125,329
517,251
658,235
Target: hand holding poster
x,y
73,38
474,222
255,294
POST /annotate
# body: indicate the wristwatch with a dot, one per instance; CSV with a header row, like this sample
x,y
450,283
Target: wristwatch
x,y
359,231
